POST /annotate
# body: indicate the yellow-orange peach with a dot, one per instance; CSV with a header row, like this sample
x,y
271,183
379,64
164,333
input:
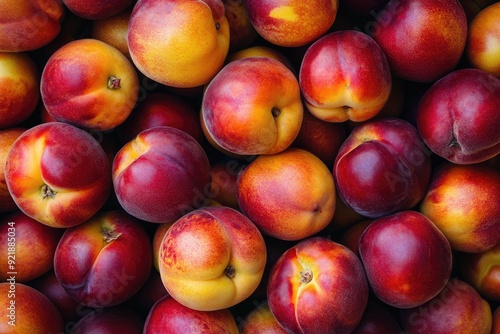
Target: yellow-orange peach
x,y
19,88
261,320
58,174
259,113
113,31
345,76
90,84
262,51
212,258
178,43
483,41
7,138
27,25
462,200
289,195
292,23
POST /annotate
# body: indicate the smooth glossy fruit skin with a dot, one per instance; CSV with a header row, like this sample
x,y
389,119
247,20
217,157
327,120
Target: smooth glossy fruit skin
x,y
407,259
458,309
252,115
169,316
318,286
422,39
212,258
161,174
458,116
180,44
382,167
7,138
104,261
462,201
344,75
24,309
58,174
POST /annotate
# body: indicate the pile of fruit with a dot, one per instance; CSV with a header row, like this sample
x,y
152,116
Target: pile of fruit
x,y
250,166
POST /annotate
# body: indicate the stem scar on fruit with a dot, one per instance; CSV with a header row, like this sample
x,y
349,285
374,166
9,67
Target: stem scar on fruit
x,y
275,111
306,276
217,25
230,271
454,142
47,192
109,235
113,82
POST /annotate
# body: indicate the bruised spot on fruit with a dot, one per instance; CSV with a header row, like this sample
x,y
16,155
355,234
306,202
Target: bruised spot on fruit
x,y
47,192
276,112
113,82
110,235
230,271
306,276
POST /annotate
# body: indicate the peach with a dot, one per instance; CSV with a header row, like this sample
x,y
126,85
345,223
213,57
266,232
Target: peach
x,y
261,320
462,135
20,87
26,310
462,201
161,174
289,195
58,174
458,309
291,23
179,43
28,25
162,109
49,285
378,319
104,261
29,246
212,258
223,187
422,39
483,41
113,31
350,236
257,114
241,31
482,272
97,9
345,75
382,167
407,259
496,321
7,138
318,286
95,90
169,316
158,235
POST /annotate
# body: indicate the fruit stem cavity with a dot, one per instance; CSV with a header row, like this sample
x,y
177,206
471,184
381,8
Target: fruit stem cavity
x,y
113,82
230,271
47,192
109,235
306,276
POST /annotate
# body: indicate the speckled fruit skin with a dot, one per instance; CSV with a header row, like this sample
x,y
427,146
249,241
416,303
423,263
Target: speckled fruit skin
x,y
257,114
318,286
382,167
406,258
161,174
58,174
169,316
345,75
291,23
20,87
27,25
104,261
462,135
462,200
289,195
90,84
422,39
212,258
181,44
